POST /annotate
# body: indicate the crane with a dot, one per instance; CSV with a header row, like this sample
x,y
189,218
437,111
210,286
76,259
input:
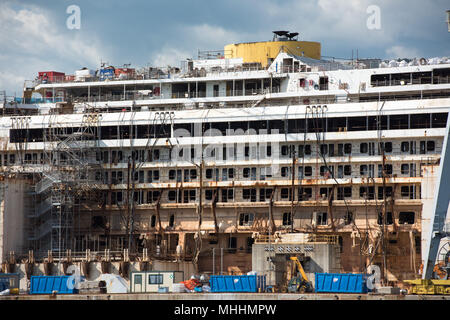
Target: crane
x,y
437,231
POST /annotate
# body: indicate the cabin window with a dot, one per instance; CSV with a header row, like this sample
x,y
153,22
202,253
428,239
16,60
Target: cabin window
x,y
246,219
287,221
389,219
348,170
249,194
405,146
344,192
172,195
388,192
155,279
321,219
323,83
368,192
264,194
304,194
405,168
348,218
439,120
363,170
406,217
323,149
307,149
408,192
171,220
227,194
231,173
363,148
308,171
285,193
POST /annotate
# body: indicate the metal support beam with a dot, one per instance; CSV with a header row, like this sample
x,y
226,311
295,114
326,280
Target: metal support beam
x,y
440,206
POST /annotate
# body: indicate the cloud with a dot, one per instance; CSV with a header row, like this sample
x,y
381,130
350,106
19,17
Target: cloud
x,y
34,42
402,52
169,57
203,37
341,26
34,37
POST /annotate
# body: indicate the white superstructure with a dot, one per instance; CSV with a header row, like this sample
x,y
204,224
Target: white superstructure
x,y
246,152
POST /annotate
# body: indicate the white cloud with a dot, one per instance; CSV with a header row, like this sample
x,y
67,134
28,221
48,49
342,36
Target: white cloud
x,y
203,37
169,57
402,52
342,25
34,42
212,37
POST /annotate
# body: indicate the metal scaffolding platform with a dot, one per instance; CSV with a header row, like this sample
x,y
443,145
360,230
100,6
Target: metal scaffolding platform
x,y
70,168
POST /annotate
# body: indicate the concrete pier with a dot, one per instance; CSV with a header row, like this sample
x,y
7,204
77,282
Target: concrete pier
x,y
224,296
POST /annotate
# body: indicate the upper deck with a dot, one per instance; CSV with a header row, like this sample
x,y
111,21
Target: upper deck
x,y
238,78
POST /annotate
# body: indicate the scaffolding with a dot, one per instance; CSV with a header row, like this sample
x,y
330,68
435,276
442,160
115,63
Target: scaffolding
x,y
69,180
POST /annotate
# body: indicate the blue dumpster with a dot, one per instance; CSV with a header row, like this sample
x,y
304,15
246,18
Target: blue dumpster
x,y
242,283
48,284
341,282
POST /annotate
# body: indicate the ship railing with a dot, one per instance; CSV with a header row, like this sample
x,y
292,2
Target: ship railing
x,y
219,70
132,95
315,238
322,238
135,76
411,81
441,79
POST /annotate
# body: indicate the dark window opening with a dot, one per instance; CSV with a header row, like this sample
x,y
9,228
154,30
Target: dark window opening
x,y
406,217
304,194
321,218
287,221
246,219
171,220
389,219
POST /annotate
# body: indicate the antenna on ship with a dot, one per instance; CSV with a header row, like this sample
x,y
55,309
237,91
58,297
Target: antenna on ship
x,y
280,35
292,36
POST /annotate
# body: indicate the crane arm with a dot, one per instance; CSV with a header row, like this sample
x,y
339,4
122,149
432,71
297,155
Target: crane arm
x,y
440,206
300,268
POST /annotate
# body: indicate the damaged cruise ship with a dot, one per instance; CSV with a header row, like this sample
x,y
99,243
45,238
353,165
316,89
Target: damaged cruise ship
x,y
227,164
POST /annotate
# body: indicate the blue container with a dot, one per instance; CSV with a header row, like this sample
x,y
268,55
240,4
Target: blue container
x,y
48,284
341,282
106,73
9,281
237,283
261,283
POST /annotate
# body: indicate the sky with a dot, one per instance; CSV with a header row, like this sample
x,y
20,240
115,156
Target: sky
x,y
34,35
